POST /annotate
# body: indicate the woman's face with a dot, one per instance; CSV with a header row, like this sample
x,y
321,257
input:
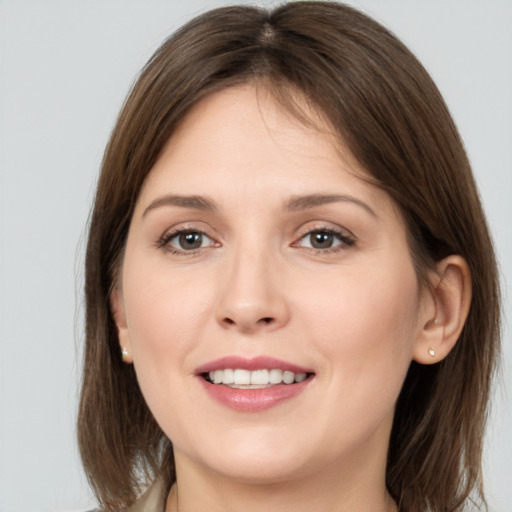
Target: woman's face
x,y
255,246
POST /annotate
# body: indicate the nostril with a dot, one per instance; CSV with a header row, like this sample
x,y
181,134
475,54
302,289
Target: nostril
x,y
248,324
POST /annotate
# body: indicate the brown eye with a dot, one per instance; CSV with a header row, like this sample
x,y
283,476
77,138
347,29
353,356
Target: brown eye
x,y
321,240
188,240
325,240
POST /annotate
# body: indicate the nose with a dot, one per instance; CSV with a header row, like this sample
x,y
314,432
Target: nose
x,y
252,297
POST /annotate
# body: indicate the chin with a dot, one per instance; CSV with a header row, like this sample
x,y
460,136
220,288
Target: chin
x,y
252,458
267,470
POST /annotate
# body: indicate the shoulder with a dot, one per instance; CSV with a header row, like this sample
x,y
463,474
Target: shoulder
x,y
153,500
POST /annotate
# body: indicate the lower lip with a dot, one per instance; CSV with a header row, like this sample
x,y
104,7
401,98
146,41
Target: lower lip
x,y
253,400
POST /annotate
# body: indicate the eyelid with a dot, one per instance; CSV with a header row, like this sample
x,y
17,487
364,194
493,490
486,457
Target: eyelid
x,y
310,227
345,236
164,241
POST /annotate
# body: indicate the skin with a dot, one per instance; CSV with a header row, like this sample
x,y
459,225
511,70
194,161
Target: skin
x,y
354,312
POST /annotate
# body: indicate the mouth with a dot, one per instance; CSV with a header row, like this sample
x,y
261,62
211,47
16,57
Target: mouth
x,y
240,378
253,385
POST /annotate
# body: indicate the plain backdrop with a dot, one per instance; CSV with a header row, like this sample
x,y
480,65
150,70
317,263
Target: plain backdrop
x,y
65,67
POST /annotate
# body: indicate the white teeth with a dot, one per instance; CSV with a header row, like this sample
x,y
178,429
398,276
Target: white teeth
x,y
254,379
241,377
259,377
276,376
288,377
228,377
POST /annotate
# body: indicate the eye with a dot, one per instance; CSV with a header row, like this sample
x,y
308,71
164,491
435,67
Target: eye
x,y
325,239
186,241
320,240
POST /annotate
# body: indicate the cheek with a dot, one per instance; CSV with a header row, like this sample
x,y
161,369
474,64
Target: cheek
x,y
365,326
163,312
364,331
165,317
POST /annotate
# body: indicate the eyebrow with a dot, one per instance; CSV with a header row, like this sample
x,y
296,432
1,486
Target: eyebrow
x,y
300,203
193,202
295,204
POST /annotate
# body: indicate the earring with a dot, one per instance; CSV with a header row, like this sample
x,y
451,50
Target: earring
x,y
431,351
124,355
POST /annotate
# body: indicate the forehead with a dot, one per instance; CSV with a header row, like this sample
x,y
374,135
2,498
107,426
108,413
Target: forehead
x,y
240,143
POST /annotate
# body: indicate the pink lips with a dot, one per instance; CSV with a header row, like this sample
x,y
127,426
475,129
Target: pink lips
x,y
256,363
251,400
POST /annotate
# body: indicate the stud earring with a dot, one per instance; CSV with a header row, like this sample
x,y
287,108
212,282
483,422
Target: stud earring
x,y
431,351
124,355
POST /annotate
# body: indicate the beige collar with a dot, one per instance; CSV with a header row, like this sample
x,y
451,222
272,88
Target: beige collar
x,y
153,500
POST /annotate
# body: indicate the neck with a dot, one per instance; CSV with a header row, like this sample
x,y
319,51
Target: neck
x,y
326,490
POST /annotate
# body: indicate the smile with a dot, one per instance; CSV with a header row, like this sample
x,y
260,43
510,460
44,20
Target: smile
x,y
257,379
253,385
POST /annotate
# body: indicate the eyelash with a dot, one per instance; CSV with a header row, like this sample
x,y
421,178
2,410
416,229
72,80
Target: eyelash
x,y
165,240
346,240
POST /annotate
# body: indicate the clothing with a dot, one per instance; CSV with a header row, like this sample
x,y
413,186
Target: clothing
x,y
153,500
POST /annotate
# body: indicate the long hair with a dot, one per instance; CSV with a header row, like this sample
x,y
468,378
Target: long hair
x,y
386,109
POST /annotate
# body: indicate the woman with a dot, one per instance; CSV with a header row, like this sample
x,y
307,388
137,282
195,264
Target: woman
x,y
292,297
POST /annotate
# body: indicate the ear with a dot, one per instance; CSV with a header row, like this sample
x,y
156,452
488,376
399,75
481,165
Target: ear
x,y
444,312
118,312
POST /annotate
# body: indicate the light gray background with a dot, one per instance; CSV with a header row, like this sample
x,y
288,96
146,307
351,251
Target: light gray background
x,y
65,67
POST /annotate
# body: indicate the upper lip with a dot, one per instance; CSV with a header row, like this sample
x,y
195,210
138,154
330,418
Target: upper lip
x,y
255,363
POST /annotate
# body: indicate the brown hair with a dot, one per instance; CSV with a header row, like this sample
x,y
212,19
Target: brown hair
x,y
385,107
